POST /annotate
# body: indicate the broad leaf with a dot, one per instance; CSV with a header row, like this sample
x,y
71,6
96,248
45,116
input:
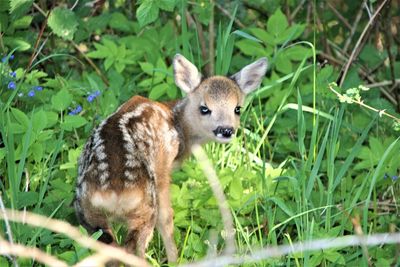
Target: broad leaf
x,y
63,22
147,12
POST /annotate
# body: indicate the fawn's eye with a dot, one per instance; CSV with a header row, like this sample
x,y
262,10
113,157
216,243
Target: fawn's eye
x,y
237,110
204,110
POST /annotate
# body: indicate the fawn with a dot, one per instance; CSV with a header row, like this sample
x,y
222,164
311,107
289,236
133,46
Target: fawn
x,y
125,167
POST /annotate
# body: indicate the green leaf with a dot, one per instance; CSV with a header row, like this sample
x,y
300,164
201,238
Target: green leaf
x,y
22,23
147,12
158,91
236,189
19,8
119,22
277,23
63,22
27,199
283,64
297,53
61,100
20,117
167,5
251,48
17,42
147,67
72,122
39,121
334,256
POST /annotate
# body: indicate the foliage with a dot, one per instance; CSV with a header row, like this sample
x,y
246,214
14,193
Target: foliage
x,y
307,163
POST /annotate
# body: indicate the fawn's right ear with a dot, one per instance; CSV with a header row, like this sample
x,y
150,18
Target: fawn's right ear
x,y
186,75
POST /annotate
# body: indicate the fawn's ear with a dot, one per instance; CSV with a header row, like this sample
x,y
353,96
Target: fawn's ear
x,y
249,78
186,75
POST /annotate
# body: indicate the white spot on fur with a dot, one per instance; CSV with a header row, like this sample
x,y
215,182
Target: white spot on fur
x,y
116,203
103,177
103,166
129,175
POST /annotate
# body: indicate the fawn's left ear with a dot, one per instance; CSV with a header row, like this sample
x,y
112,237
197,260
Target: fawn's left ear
x,y
249,78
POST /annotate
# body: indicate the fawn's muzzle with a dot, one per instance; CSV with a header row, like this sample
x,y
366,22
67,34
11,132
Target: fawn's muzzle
x,y
225,132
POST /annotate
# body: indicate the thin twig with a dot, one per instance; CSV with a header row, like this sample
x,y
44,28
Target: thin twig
x,y
297,9
339,15
91,63
354,28
227,220
355,50
229,15
35,51
29,252
319,244
73,233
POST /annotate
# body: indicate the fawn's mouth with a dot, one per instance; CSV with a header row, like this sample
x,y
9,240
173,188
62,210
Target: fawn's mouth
x,y
220,138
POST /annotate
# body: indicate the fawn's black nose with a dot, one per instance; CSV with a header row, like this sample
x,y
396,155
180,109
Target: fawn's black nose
x,y
226,132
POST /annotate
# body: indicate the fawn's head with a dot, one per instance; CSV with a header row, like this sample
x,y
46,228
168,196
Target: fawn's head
x,y
213,106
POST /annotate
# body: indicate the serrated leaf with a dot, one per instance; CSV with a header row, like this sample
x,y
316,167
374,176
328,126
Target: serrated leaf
x,y
20,117
147,12
73,122
27,199
63,22
39,121
19,7
61,100
119,22
277,23
167,5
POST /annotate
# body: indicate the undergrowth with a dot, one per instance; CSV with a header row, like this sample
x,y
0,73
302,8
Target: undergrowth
x,y
305,164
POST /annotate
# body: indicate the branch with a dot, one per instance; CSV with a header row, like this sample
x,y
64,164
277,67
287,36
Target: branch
x,y
6,248
73,233
319,244
361,103
227,220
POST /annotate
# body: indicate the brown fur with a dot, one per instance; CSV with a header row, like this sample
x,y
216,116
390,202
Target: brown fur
x,y
125,167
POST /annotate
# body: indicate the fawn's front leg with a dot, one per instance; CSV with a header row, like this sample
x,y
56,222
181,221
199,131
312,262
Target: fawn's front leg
x,y
165,223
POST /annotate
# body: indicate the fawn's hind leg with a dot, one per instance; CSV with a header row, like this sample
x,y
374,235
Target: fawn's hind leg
x,y
140,232
165,224
93,220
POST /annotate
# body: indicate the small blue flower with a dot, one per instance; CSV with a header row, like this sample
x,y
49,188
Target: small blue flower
x,y
93,96
38,88
12,85
13,74
75,110
4,59
395,177
31,93
90,98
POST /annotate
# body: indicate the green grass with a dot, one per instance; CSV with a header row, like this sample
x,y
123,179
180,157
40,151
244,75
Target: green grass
x,y
302,166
